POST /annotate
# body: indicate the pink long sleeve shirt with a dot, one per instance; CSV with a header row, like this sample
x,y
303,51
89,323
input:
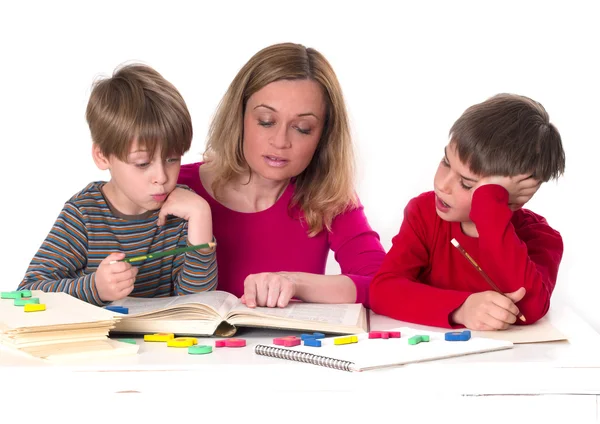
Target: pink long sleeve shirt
x,y
276,240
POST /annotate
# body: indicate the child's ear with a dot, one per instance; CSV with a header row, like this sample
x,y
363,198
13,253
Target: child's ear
x,y
101,161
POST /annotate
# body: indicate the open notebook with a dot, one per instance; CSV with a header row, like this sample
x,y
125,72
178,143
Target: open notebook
x,y
369,354
68,329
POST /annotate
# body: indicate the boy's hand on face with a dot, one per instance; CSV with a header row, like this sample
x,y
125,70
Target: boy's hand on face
x,y
184,204
489,310
114,281
521,188
194,209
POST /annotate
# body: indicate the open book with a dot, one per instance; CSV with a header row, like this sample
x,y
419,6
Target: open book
x,y
220,313
369,354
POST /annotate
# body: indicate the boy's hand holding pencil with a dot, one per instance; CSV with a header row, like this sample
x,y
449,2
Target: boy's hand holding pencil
x,y
489,310
114,277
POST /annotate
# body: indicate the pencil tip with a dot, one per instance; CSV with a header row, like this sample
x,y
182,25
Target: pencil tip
x,y
522,318
454,242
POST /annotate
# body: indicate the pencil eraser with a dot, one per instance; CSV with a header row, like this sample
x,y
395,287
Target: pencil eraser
x,y
289,342
12,295
312,342
235,343
457,336
159,337
32,307
306,336
374,334
199,350
119,309
280,341
26,301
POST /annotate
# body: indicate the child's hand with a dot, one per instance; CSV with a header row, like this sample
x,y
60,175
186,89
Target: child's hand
x,y
182,203
114,281
271,289
194,209
521,188
489,310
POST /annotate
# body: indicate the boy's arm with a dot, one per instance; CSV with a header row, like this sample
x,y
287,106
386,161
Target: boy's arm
x,y
194,271
396,291
528,256
57,265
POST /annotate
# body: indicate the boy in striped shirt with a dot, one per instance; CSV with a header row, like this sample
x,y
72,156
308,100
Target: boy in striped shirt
x,y
140,128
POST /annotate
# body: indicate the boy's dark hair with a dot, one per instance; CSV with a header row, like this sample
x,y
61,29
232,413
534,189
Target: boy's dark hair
x,y
509,135
137,103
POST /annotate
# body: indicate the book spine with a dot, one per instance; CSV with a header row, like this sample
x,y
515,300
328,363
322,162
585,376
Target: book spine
x,y
309,358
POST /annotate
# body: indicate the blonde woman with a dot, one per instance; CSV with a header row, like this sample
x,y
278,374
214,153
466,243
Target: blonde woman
x,y
277,174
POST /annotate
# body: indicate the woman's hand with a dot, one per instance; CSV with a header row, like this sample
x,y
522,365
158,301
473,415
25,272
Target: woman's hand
x,y
271,289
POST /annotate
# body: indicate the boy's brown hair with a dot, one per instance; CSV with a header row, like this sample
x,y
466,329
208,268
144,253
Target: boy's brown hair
x,y
509,135
137,103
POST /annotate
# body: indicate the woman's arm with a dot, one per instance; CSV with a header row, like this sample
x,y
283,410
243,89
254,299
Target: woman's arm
x,y
357,250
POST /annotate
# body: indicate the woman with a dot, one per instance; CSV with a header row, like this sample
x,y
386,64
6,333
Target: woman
x,y
278,178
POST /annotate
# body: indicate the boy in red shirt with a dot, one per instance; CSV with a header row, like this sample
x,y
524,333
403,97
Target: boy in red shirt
x,y
498,154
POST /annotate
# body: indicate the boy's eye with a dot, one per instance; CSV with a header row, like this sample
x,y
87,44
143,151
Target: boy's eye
x,y
173,160
142,165
445,163
265,124
463,185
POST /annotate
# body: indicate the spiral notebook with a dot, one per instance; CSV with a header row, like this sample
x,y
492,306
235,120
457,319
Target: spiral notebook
x,y
370,354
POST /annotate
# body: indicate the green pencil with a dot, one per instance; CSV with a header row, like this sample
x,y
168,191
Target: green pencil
x,y
167,253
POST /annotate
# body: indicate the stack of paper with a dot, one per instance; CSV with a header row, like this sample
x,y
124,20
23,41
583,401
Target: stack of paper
x,y
69,328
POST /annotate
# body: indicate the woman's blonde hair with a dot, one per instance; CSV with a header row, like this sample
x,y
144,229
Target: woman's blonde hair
x,y
326,187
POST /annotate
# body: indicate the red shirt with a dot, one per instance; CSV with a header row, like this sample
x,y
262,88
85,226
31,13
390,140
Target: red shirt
x,y
276,239
424,278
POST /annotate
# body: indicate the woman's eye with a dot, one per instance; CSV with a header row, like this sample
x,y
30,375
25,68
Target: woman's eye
x,y
266,124
303,130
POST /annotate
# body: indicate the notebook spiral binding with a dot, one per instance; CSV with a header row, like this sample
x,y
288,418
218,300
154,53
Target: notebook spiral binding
x,y
309,358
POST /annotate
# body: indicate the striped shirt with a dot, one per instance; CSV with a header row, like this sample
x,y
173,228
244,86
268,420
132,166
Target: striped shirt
x,y
88,229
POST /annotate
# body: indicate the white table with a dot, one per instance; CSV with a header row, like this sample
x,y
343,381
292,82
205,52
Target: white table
x,y
544,381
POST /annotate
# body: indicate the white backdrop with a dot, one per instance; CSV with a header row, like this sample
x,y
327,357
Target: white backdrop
x,y
408,71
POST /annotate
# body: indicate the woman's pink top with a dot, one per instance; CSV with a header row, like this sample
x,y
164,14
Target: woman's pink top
x,y
276,240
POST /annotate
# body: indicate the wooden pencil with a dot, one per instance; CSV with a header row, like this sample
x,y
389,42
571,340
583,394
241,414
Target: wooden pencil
x,y
167,253
481,271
